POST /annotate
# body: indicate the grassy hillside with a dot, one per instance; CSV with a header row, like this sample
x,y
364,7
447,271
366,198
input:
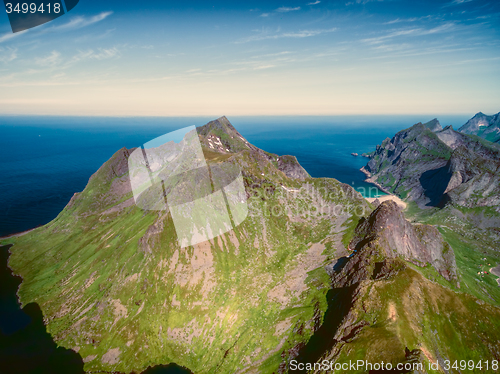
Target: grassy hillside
x,y
114,285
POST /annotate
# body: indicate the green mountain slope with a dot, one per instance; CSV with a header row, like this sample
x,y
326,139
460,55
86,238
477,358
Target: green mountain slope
x,y
384,309
114,285
313,272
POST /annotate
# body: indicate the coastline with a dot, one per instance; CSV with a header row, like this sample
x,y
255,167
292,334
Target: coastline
x,y
15,235
389,196
369,179
394,198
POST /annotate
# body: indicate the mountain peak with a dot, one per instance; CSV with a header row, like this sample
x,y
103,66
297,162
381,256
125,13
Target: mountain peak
x,y
423,244
484,126
220,136
433,125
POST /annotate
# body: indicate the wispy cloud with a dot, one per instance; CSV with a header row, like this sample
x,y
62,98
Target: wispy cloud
x,y
52,59
265,15
361,2
9,55
314,3
79,22
262,67
285,9
410,32
9,35
100,54
402,20
265,35
456,2
55,59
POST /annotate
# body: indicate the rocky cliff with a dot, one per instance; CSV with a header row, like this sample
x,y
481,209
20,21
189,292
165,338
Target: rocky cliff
x,y
382,307
433,168
487,127
387,231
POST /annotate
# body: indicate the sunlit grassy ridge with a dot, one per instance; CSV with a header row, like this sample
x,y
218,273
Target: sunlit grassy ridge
x,y
114,285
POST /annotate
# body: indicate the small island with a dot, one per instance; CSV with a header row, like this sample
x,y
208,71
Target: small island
x,y
354,154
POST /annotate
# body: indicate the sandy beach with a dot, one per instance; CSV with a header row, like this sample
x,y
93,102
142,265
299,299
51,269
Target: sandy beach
x,y
389,196
394,198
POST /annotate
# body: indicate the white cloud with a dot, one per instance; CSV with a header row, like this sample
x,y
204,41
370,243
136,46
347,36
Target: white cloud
x,y
398,20
456,2
314,3
361,2
264,15
285,9
104,53
262,67
9,55
79,22
53,59
101,54
410,32
298,34
10,35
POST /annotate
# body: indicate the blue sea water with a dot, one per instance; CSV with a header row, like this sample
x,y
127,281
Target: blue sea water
x,y
45,160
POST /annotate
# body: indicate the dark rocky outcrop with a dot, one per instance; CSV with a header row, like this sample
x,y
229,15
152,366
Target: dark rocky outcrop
x,y
291,167
387,235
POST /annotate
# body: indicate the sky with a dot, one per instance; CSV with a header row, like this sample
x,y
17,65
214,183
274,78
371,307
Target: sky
x,y
316,57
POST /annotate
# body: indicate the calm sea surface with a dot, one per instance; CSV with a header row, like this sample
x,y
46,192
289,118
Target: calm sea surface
x,y
44,160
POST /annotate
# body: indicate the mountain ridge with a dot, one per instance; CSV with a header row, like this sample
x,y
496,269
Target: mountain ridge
x,y
487,127
115,286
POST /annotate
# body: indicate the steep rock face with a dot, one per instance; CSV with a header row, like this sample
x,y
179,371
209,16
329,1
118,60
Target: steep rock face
x,y
474,177
452,138
398,163
387,229
487,127
396,314
379,301
434,168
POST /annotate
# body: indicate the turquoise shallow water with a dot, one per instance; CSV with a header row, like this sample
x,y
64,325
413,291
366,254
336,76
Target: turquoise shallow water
x,y
45,160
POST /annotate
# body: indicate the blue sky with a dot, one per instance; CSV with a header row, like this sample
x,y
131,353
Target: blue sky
x,y
313,57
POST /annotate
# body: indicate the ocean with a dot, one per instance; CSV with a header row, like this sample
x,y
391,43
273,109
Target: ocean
x,y
45,160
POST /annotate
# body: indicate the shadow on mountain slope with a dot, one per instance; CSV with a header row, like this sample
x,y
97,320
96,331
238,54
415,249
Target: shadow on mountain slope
x,y
434,182
339,304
